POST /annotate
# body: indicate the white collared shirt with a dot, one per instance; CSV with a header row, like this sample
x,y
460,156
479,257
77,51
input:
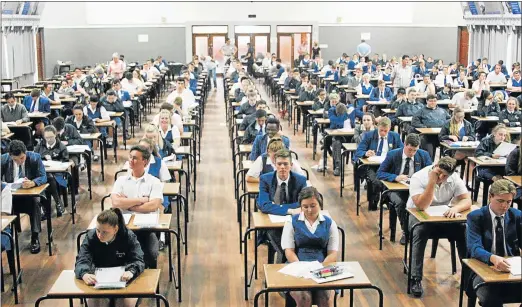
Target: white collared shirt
x,y
257,167
493,77
49,146
493,225
103,112
403,164
145,186
288,237
444,193
15,171
36,105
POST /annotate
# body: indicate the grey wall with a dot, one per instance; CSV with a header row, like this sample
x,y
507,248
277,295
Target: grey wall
x,y
88,46
440,43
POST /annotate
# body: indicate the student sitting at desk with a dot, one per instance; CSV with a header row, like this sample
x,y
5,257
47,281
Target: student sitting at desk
x,y
311,236
434,73
174,110
317,64
308,91
133,83
481,84
13,112
442,79
51,149
305,62
82,123
112,103
421,70
514,167
140,192
431,116
168,133
436,185
265,163
65,89
164,149
386,75
511,115
399,166
38,103
369,68
261,142
256,128
332,73
464,100
426,87
381,93
376,143
409,108
487,147
248,107
368,124
110,244
514,85
48,92
20,164
457,129
493,232
487,106
278,194
445,93
189,101
353,63
364,89
344,76
248,120
240,92
496,76
461,81
68,135
98,114
321,101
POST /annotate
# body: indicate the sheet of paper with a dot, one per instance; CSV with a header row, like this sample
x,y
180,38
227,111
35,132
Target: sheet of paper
x,y
347,125
10,123
51,163
346,274
279,218
107,278
78,148
376,158
504,149
516,265
301,268
146,220
7,200
127,217
4,221
110,113
84,135
436,210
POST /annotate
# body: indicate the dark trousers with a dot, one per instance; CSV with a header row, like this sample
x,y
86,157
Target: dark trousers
x,y
493,295
250,67
430,144
275,246
335,151
374,186
31,207
54,188
398,201
454,232
490,172
150,246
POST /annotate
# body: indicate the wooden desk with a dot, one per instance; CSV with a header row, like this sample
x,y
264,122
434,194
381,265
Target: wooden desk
x,y
172,189
146,285
422,217
389,111
428,130
517,180
277,282
38,115
357,183
486,118
97,137
39,191
109,124
64,169
191,163
7,136
330,133
389,187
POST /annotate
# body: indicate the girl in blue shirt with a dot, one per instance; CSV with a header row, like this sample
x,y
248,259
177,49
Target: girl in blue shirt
x,y
366,89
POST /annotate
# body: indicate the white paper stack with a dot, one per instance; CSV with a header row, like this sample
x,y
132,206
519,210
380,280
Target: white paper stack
x,y
504,149
110,278
127,217
78,148
301,268
437,210
146,220
279,218
515,264
377,158
57,164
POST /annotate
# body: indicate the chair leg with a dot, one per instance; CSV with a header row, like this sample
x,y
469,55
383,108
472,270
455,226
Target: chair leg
x,y
393,222
472,301
2,278
434,245
453,258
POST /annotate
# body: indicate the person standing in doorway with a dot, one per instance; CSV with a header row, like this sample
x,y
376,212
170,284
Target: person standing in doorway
x,y
249,57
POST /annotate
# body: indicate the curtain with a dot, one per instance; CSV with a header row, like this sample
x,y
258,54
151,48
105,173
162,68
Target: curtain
x,y
516,47
19,55
489,42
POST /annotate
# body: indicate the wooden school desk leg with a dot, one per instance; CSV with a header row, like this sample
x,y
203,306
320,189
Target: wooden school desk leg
x,y
381,295
248,277
357,188
47,202
87,158
381,212
341,185
73,194
258,294
17,255
123,121
240,220
115,143
325,154
102,158
186,217
407,235
314,139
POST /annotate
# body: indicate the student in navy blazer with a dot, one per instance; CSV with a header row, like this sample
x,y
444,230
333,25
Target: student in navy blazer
x,y
261,141
381,92
272,198
485,244
394,169
37,103
371,146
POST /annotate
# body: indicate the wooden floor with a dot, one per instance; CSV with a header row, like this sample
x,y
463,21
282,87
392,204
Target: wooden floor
x,y
213,270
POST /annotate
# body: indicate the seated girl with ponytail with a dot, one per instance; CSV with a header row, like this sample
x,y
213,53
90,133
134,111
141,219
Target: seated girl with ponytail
x,y
110,244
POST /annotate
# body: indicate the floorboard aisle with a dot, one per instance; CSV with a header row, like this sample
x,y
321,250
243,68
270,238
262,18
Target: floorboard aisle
x,y
213,270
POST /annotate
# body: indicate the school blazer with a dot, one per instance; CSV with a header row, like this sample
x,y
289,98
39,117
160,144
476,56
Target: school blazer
x,y
58,152
391,166
376,94
260,145
370,141
70,135
267,190
479,236
34,168
44,105
445,131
